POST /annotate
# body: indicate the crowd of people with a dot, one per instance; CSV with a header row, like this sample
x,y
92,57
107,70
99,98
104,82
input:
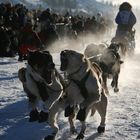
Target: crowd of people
x,y
22,28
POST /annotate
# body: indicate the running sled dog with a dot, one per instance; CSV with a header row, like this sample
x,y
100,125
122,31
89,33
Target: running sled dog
x,y
41,82
109,59
84,89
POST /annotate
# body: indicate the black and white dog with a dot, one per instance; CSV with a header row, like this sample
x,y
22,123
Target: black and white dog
x,y
40,82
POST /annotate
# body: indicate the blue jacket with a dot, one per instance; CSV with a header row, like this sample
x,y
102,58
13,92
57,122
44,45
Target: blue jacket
x,y
125,18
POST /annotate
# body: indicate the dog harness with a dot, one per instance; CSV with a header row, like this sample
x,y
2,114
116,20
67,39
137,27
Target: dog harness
x,y
81,85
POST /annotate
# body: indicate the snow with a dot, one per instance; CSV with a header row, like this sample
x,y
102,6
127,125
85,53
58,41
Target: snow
x,y
123,122
123,119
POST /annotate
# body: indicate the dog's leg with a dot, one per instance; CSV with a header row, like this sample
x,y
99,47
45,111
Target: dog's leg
x,y
87,103
69,110
105,83
115,79
83,124
34,114
102,109
82,131
52,118
83,112
124,51
33,101
71,122
43,114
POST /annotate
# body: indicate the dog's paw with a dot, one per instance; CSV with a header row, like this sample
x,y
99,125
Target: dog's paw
x,y
43,117
80,136
73,131
101,129
116,90
34,115
49,137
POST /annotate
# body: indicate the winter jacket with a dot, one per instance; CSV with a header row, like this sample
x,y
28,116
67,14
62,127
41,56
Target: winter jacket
x,y
125,19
